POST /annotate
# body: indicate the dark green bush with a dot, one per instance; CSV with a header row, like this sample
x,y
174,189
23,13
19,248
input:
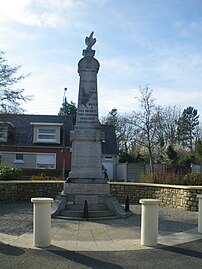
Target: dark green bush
x,y
115,180
9,173
193,178
29,172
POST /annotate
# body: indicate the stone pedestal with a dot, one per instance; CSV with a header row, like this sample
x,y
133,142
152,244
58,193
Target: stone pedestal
x,y
94,193
86,153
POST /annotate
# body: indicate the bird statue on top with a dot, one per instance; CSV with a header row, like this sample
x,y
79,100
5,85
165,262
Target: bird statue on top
x,y
90,41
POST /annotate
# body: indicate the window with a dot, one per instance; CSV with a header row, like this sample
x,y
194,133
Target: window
x,y
46,135
19,158
46,161
44,132
3,134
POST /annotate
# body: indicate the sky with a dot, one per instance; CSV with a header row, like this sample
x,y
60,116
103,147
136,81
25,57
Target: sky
x,y
139,42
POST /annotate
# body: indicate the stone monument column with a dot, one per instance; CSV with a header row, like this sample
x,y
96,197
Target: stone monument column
x,y
86,183
87,137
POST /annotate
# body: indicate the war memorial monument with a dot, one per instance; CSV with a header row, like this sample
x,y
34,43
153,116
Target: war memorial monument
x,y
86,192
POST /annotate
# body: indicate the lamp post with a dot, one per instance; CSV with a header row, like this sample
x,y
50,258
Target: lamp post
x,y
63,136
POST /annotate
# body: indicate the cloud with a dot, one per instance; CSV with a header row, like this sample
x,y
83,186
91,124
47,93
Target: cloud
x,y
123,99
46,83
183,98
119,66
12,35
178,66
40,13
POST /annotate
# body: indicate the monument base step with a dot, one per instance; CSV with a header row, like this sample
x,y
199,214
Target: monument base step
x,y
86,180
90,207
91,214
108,208
87,219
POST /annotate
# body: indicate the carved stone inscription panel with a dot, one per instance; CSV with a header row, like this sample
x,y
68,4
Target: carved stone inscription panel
x,y
92,199
77,188
88,103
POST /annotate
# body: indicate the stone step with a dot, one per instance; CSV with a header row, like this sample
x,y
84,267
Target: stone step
x,y
91,214
90,207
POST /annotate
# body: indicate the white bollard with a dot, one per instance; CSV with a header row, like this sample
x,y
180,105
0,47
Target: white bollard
x,y
41,221
200,213
149,222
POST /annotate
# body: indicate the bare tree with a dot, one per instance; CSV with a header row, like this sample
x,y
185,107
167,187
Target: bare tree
x,y
145,123
123,129
170,116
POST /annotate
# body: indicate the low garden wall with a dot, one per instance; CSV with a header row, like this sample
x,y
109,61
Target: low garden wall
x,y
13,190
176,196
184,197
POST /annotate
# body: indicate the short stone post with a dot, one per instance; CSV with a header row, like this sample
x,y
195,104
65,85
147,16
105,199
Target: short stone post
x,y
127,204
199,213
85,210
41,221
149,222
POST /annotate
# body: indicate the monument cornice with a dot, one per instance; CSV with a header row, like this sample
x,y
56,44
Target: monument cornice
x,y
88,64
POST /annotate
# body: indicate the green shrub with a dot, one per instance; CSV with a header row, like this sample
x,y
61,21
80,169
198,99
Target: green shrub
x,y
29,172
9,173
146,178
115,180
193,178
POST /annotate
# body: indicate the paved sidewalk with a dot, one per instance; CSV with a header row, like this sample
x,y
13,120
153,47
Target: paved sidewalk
x,y
176,227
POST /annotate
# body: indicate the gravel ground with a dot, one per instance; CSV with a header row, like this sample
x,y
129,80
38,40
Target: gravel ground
x,y
171,220
16,219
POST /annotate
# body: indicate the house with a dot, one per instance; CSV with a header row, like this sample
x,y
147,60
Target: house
x,y
110,150
43,142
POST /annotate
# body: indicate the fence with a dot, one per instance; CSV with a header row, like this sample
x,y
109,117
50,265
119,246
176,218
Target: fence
x,y
196,168
133,171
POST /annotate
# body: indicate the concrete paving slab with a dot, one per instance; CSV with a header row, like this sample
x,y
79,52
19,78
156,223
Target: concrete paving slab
x,y
108,235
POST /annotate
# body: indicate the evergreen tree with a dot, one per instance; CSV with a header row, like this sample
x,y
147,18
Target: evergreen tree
x,y
68,109
10,98
186,129
172,156
198,150
112,118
